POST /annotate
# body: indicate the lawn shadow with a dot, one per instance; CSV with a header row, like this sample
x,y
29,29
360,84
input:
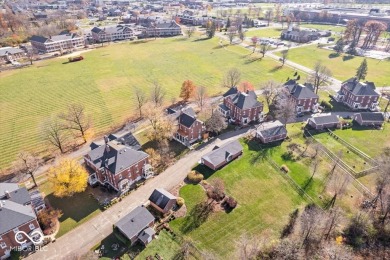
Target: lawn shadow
x,y
334,55
201,39
262,151
204,170
77,207
140,42
174,146
275,69
182,39
348,57
251,60
113,248
220,46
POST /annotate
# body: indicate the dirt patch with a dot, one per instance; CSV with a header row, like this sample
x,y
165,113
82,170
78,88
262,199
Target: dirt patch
x,y
76,53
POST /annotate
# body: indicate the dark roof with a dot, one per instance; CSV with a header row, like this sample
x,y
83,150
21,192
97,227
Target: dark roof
x,y
372,117
231,91
115,156
111,29
220,154
360,88
13,215
246,100
186,119
223,107
16,194
133,223
290,82
166,25
300,91
270,129
161,197
37,38
36,199
325,119
145,234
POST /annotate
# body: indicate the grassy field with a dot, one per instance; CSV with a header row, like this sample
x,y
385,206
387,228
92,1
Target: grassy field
x,y
165,245
75,210
264,33
342,67
323,27
104,83
264,202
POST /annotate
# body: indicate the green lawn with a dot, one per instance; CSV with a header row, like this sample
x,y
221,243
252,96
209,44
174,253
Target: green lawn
x,y
264,33
104,82
165,245
323,27
264,202
75,210
341,67
370,141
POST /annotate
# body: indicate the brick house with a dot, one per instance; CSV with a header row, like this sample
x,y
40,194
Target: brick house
x,y
369,118
162,200
16,216
303,96
115,164
190,129
271,132
62,42
241,107
358,95
162,29
220,156
301,36
11,54
137,226
114,32
324,121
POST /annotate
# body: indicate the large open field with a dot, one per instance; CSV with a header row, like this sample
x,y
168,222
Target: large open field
x,y
342,67
332,28
264,33
104,82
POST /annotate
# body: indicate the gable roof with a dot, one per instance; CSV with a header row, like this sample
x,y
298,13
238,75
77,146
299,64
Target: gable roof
x,y
187,117
360,88
231,91
145,234
134,222
324,119
246,100
115,156
300,91
37,38
270,129
219,155
371,117
13,214
16,194
9,50
161,197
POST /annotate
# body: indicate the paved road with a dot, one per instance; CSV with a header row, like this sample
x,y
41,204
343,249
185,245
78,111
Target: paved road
x,y
81,239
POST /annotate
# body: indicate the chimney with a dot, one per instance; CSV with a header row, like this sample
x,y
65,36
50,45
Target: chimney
x,y
7,194
105,139
107,148
1,204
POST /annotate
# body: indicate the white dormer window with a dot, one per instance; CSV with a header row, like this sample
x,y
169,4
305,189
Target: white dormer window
x,y
1,238
3,245
15,230
31,226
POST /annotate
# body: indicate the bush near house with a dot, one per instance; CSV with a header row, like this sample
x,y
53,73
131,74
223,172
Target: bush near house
x,y
180,201
195,177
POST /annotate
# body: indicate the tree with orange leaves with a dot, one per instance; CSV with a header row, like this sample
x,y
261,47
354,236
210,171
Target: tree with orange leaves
x,y
187,90
246,86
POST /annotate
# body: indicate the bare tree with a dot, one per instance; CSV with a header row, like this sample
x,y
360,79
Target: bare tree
x,y
247,247
232,78
268,16
337,184
30,55
264,48
28,164
285,110
216,123
162,127
77,120
309,224
231,33
320,75
157,95
190,31
141,99
54,134
270,91
217,191
333,217
201,97
284,56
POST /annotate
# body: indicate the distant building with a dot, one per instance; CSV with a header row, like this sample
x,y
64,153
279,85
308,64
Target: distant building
x,y
11,54
62,42
113,33
369,118
358,95
162,29
115,164
190,129
303,96
324,122
137,226
269,132
17,218
162,200
300,36
220,156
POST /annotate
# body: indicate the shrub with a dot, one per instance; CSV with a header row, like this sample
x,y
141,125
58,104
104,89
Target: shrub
x,y
285,168
231,202
195,177
180,201
326,105
288,156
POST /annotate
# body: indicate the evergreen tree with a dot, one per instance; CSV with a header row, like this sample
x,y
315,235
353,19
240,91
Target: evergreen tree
x,y
352,48
228,23
361,72
211,28
339,47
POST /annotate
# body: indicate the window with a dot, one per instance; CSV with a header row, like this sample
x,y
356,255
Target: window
x,y
31,226
1,238
19,236
16,230
3,245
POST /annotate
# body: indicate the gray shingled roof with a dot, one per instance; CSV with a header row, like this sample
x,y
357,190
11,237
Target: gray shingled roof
x,y
300,91
134,222
110,29
17,194
37,38
161,197
144,236
231,91
270,129
13,215
220,154
187,118
325,119
115,156
223,107
360,88
7,187
372,117
246,100
10,50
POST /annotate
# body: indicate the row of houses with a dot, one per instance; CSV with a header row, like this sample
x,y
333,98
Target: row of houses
x,y
66,41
